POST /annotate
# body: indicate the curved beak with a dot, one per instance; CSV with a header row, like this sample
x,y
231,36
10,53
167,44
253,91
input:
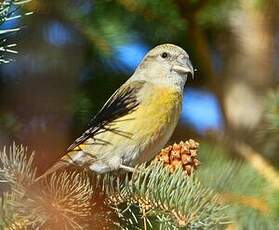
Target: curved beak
x,y
184,67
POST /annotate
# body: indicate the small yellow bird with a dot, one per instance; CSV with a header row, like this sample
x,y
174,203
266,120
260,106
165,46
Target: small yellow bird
x,y
138,119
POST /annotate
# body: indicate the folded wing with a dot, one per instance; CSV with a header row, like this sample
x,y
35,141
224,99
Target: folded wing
x,y
121,103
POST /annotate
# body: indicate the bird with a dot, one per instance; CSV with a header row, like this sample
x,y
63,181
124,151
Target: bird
x,y
138,119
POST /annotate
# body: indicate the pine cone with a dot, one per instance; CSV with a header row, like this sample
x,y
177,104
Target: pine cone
x,y
184,153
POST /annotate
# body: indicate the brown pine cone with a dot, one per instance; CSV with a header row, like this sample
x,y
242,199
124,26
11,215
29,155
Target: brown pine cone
x,y
184,153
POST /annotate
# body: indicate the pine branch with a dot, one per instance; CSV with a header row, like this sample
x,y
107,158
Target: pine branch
x,y
9,12
253,202
16,167
171,198
259,163
161,194
249,201
61,202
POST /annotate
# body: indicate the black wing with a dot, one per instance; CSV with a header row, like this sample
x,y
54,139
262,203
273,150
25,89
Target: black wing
x,y
122,102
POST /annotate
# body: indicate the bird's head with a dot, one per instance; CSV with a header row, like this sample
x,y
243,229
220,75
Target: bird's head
x,y
166,64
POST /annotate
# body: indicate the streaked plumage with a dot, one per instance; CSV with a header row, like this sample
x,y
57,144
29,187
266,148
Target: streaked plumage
x,y
138,119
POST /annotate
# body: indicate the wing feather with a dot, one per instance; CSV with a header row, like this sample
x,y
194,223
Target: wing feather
x,y
121,103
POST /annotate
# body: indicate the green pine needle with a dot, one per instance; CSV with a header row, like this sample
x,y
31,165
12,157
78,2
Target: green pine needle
x,y
61,200
171,198
8,12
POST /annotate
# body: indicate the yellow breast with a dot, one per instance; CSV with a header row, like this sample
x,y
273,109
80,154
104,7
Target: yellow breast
x,y
159,110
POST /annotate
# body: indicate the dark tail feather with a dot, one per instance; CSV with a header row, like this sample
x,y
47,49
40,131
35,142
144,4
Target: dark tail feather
x,y
57,166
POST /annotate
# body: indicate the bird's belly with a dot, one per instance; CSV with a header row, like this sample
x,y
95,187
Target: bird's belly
x,y
153,145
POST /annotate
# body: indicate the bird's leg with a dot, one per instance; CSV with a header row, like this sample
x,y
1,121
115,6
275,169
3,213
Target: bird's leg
x,y
127,168
118,182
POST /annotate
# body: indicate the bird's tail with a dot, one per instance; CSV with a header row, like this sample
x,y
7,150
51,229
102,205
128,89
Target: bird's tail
x,y
57,166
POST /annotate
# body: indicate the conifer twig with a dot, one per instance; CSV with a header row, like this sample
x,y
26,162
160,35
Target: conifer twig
x,y
262,166
61,200
8,12
159,193
249,201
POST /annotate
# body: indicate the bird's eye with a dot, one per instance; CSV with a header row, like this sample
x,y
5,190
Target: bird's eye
x,y
164,55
